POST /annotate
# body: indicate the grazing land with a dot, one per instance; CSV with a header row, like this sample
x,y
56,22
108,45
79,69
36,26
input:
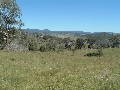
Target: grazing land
x,y
65,70
33,59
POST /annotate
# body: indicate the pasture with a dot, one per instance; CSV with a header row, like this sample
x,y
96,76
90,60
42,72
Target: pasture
x,y
59,71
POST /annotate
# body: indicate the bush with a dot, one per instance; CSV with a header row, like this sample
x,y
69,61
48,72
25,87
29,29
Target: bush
x,y
32,46
1,38
51,46
16,47
98,53
1,47
42,48
92,54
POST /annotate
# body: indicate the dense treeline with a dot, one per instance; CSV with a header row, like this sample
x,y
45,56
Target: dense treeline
x,y
21,41
12,38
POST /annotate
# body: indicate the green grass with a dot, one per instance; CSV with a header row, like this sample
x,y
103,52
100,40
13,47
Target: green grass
x,y
59,71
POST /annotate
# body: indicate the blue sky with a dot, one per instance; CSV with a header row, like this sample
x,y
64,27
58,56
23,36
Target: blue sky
x,y
77,15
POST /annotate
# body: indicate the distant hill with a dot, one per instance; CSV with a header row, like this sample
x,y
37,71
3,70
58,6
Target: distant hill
x,y
36,30
48,31
77,33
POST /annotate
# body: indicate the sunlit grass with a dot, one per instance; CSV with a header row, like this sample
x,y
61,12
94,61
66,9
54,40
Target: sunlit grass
x,y
59,71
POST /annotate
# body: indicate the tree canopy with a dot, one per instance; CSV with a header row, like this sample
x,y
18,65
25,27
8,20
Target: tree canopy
x,y
10,15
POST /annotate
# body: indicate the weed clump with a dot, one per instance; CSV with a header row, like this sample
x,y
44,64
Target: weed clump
x,y
99,53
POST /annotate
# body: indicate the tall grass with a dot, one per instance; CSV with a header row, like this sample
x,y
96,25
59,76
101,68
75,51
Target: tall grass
x,y
59,71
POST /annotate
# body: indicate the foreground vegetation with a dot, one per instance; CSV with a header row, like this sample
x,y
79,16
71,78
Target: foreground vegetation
x,y
59,71
46,62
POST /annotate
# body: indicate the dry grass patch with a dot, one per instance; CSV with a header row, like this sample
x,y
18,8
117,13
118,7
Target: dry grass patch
x,y
59,71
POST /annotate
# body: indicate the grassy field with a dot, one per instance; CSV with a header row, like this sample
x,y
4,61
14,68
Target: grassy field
x,y
59,71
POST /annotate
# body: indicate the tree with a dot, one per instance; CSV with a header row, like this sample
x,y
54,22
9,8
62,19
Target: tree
x,y
9,17
104,43
79,43
115,39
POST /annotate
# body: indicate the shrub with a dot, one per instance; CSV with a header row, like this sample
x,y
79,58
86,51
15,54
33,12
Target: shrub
x,y
16,47
98,53
92,54
42,48
1,39
51,46
32,46
1,47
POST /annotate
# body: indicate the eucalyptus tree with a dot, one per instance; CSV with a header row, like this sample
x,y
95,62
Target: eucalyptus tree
x,y
10,14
